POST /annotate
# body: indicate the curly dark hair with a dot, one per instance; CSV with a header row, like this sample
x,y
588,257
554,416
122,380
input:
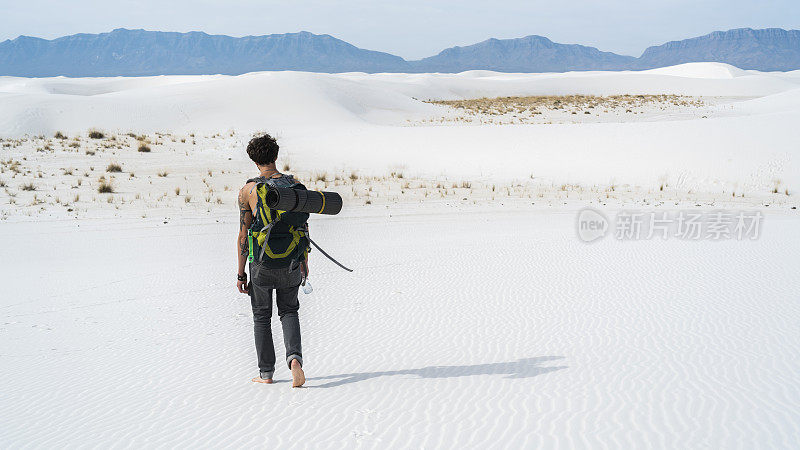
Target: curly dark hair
x,y
263,150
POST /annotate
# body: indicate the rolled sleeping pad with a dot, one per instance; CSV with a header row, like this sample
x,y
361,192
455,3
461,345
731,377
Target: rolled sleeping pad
x,y
315,202
281,198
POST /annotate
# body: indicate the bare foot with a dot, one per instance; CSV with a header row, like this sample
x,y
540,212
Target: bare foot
x,y
262,380
298,377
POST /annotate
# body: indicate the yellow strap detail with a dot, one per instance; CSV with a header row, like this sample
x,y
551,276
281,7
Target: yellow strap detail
x,y
262,193
268,251
323,202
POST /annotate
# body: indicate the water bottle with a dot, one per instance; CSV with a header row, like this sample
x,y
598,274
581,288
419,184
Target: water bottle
x,y
307,289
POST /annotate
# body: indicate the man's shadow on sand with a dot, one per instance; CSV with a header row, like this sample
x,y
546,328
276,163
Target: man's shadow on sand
x,y
522,368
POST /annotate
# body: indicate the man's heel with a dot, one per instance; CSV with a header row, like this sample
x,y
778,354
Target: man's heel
x,y
298,377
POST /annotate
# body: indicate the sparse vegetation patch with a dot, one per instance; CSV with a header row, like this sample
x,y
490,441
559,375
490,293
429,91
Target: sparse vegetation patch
x,y
105,188
534,109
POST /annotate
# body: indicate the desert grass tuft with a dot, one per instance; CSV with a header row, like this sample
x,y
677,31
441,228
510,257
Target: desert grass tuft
x,y
105,188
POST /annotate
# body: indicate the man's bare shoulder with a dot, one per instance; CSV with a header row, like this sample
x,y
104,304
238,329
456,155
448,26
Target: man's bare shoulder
x,y
248,187
246,192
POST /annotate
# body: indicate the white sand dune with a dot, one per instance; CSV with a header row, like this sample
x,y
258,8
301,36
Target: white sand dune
x,y
269,99
702,70
335,120
451,332
475,317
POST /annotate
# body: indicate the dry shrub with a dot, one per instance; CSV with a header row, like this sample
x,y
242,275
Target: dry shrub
x,y
105,188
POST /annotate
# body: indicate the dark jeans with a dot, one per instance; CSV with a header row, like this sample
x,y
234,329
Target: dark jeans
x,y
285,283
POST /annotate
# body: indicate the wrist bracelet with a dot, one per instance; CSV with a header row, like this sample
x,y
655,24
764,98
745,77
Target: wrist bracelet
x,y
242,277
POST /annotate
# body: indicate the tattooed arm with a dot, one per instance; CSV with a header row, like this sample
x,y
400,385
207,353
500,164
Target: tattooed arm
x,y
245,220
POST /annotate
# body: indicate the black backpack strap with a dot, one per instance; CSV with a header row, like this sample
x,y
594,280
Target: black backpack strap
x,y
281,181
327,255
257,180
268,229
305,230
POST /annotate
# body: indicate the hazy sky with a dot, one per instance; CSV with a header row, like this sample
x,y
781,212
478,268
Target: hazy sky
x,y
409,28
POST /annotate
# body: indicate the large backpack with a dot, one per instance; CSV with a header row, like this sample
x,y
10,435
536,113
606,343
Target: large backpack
x,y
277,238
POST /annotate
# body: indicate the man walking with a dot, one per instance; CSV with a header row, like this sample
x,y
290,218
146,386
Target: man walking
x,y
282,269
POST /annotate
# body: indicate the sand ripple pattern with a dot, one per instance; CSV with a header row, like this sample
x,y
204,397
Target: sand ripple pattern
x,y
452,333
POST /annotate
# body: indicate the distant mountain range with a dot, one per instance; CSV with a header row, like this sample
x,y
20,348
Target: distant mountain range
x,y
528,54
125,52
768,49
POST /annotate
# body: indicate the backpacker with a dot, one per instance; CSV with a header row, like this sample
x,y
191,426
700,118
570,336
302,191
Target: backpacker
x,y
277,238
